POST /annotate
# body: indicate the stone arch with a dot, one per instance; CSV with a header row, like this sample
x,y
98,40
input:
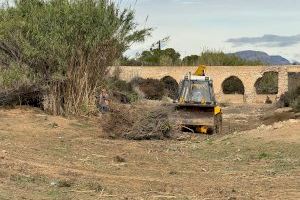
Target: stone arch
x,y
233,85
267,83
171,86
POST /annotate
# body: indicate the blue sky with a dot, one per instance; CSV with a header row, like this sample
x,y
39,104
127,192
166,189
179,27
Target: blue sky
x,y
272,26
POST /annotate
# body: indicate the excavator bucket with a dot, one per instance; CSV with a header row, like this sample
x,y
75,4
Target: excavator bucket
x,y
198,119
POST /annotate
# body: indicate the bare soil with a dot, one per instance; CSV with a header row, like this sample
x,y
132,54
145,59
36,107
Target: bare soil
x,y
47,157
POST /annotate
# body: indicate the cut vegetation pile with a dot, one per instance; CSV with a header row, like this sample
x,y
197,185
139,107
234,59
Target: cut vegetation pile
x,y
171,86
24,95
138,123
151,88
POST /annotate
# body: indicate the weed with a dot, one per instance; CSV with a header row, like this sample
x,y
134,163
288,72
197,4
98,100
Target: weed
x,y
97,187
119,159
263,155
64,183
173,172
209,142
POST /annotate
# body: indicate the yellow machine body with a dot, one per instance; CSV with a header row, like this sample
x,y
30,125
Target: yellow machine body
x,y
197,107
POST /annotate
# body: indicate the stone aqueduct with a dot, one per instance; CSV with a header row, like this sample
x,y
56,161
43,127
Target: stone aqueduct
x,y
247,74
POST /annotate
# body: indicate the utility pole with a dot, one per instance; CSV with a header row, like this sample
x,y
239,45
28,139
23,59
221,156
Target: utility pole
x,y
159,44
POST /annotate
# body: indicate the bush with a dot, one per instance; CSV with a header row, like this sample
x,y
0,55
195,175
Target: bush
x,y
121,90
291,99
267,84
217,58
15,76
296,104
233,85
69,44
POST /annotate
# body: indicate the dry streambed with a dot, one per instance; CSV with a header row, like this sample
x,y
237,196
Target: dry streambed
x,y
45,157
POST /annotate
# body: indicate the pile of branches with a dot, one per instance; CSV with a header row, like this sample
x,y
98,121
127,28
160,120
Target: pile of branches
x,y
138,123
171,86
23,95
152,89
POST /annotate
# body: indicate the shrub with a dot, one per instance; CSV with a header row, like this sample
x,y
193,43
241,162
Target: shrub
x,y
69,44
291,99
15,76
233,85
121,90
267,84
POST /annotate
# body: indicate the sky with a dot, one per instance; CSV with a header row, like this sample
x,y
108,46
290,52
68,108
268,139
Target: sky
x,y
272,26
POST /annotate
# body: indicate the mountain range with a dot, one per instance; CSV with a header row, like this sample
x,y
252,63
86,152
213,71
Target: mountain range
x,y
263,57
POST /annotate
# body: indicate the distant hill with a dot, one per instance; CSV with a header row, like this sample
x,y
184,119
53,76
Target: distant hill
x,y
263,57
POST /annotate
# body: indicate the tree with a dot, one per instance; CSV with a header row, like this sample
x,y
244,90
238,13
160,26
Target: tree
x,y
212,58
267,84
191,60
69,44
160,57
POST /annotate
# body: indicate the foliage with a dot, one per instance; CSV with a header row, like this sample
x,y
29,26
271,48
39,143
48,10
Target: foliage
x,y
212,58
267,84
122,90
233,85
69,44
157,57
170,57
192,60
291,99
15,76
125,61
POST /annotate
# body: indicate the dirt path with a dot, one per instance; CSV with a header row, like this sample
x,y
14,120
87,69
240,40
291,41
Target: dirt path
x,y
46,157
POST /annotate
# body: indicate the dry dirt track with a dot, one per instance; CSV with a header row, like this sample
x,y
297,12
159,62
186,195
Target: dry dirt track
x,y
45,157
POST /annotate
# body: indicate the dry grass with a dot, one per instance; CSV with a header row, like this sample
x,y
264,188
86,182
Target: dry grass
x,y
71,161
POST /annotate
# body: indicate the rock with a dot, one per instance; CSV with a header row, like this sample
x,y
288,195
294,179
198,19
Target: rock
x,y
3,154
264,127
278,125
53,183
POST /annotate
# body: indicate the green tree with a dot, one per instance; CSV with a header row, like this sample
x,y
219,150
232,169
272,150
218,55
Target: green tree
x,y
69,44
191,60
212,58
267,84
157,57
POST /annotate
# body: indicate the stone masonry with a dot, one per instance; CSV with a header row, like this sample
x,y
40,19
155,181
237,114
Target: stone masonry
x,y
247,74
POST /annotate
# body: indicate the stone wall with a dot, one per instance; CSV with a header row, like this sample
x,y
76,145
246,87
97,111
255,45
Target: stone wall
x,y
247,74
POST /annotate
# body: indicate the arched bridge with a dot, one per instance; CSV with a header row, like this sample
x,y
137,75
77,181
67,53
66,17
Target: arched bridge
x,y
248,76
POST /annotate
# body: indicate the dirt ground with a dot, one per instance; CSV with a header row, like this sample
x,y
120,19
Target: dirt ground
x,y
46,157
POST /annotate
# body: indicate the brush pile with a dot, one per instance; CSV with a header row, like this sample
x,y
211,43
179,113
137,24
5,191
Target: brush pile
x,y
151,88
24,95
138,123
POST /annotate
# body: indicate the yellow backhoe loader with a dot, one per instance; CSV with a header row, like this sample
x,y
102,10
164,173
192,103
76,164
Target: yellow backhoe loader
x,y
196,108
